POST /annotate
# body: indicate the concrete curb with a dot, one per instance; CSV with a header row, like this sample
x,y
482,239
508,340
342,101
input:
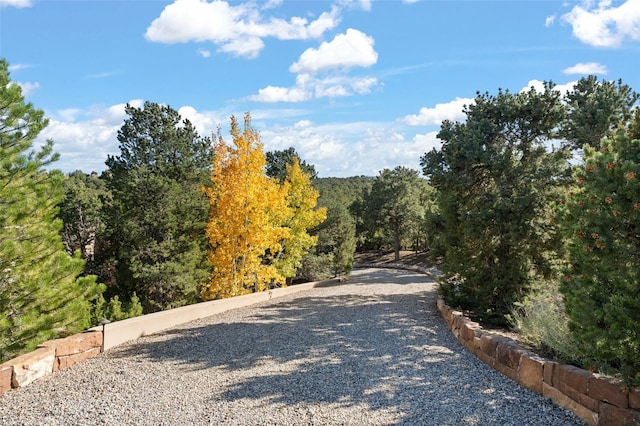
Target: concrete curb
x,y
59,354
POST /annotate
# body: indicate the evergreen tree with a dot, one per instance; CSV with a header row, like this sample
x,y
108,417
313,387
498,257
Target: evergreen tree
x,y
394,207
154,243
595,109
602,283
278,161
496,185
41,295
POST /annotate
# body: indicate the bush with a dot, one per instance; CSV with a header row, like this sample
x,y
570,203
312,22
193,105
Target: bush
x,y
114,310
542,322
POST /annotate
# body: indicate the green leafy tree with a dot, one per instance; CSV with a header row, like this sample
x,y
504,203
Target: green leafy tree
x,y
278,161
41,295
595,109
601,286
496,183
394,206
155,242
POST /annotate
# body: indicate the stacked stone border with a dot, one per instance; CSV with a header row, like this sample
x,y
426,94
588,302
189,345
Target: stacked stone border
x,y
598,400
58,354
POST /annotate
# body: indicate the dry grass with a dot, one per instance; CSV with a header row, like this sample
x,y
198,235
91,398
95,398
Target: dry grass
x,y
406,257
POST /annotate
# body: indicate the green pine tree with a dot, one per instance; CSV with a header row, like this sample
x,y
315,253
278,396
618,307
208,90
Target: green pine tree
x,y
602,283
154,242
496,184
41,295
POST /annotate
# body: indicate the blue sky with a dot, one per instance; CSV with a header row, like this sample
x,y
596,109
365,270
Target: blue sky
x,y
354,86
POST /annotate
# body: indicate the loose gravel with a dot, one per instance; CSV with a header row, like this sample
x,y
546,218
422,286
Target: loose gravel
x,y
371,351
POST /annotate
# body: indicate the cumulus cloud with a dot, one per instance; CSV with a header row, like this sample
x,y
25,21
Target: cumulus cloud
x,y
84,145
604,25
236,29
349,149
436,115
85,138
310,87
586,68
16,3
28,87
205,122
539,86
351,49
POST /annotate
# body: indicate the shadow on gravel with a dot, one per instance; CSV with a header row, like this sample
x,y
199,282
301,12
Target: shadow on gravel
x,y
382,351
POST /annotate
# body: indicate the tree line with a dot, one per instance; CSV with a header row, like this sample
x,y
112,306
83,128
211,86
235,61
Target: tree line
x,y
175,219
530,209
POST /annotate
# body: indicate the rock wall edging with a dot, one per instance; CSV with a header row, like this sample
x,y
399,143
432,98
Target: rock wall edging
x,y
598,400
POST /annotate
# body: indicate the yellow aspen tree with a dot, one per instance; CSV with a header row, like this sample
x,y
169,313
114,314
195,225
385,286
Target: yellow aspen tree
x,y
247,210
301,199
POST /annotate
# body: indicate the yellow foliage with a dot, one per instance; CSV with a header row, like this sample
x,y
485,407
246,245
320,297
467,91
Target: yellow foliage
x,y
301,200
247,212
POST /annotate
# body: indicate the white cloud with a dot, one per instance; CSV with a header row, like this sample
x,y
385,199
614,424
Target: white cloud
x,y
356,4
85,138
18,67
272,94
271,4
204,53
605,25
410,1
310,87
237,29
586,68
539,86
28,87
352,49
68,114
349,149
436,115
83,145
116,113
549,21
205,122
16,3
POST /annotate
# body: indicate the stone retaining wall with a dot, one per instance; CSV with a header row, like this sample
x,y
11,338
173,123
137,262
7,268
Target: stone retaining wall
x,y
50,356
597,399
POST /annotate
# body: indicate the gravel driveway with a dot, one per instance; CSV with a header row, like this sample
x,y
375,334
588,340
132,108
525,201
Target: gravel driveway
x,y
372,351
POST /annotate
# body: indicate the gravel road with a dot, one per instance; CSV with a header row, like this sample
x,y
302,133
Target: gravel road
x,y
372,351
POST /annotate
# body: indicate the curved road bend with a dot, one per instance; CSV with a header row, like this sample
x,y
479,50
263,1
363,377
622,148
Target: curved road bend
x,y
372,351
